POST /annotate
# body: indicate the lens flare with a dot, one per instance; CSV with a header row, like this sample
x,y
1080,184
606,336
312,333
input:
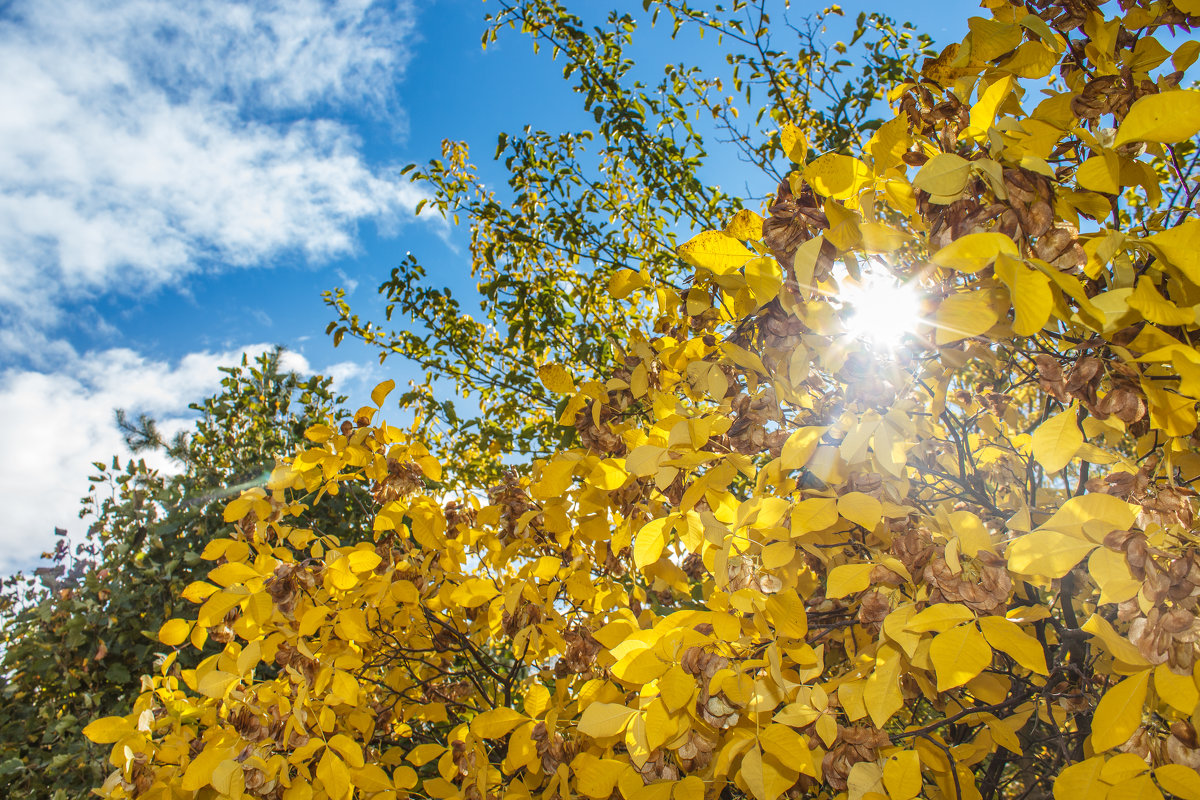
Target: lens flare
x,y
881,310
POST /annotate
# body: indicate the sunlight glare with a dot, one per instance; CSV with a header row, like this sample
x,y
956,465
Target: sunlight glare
x,y
882,310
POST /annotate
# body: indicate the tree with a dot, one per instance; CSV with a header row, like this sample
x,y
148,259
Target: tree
x,y
584,206
78,632
784,558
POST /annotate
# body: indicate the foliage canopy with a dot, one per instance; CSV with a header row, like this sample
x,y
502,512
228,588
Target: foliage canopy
x,y
76,634
781,559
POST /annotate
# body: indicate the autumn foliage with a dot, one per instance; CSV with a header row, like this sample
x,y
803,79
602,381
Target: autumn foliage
x,y
782,559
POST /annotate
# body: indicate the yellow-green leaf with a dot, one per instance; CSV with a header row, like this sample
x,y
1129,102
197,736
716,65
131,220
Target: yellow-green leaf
x,y
943,175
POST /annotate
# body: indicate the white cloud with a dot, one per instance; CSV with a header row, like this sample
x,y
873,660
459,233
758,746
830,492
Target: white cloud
x,y
142,140
56,424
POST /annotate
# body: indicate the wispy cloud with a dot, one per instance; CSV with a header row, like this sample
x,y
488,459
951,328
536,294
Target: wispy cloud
x,y
143,140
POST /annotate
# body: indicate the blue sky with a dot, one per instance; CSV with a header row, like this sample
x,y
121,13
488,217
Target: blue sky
x,y
179,182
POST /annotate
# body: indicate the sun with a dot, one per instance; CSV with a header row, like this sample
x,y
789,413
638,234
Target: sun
x,y
881,309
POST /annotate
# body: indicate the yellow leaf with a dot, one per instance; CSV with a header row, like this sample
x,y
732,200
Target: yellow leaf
x,y
836,176
902,775
644,461
1057,440
1047,553
983,113
1120,712
1172,116
861,509
813,514
958,655
882,695
939,617
1158,309
889,143
879,238
745,224
214,684
1032,298
804,263
556,477
1100,174
799,447
1179,781
865,782
794,145
943,175
676,688
380,392
348,749
424,753
786,745
786,612
848,579
765,777
474,592
1121,648
716,252
318,433
623,282
607,475
1179,246
174,632
963,315
649,543
1081,781
371,778
334,776
1178,691
555,378
603,720
1111,572
764,277
597,777
1007,636
107,730
363,560
496,723
236,509
974,251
